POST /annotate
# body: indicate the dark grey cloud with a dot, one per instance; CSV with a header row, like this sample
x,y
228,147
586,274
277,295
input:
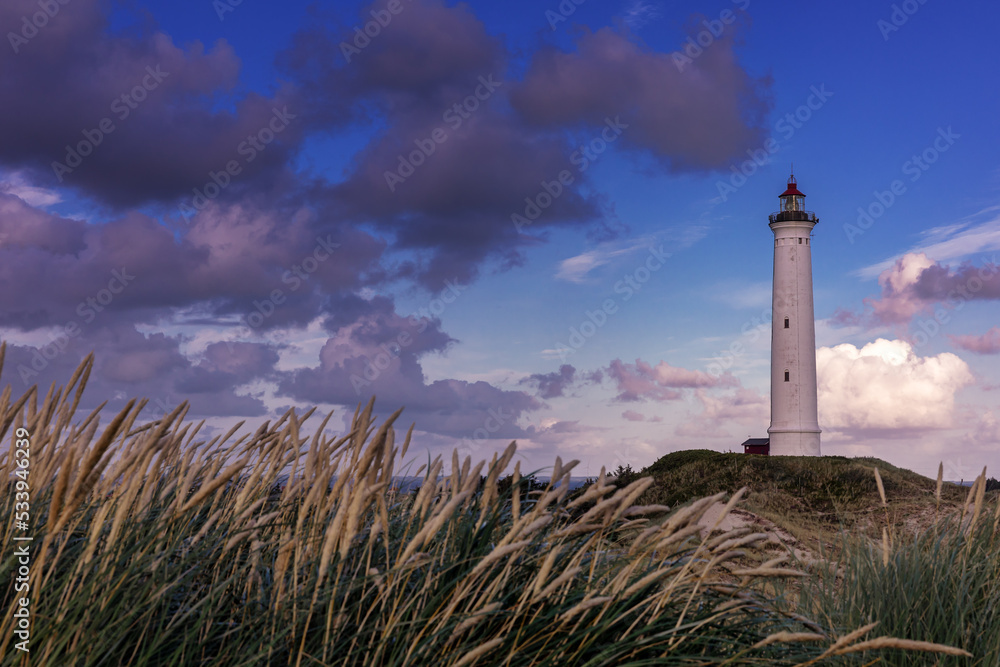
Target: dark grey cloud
x,y
555,384
696,117
148,119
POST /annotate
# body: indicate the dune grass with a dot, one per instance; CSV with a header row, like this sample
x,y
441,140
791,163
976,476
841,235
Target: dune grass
x,y
941,584
152,547
814,498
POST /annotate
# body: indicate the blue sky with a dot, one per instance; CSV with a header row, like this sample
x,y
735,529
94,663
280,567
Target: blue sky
x,y
863,98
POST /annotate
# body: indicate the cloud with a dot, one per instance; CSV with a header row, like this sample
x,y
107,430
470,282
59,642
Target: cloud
x,y
18,185
452,205
640,381
899,301
552,385
639,13
885,386
951,242
988,343
575,269
131,364
423,60
22,226
230,365
436,72
742,406
986,432
379,354
939,283
916,283
633,416
692,120
231,259
179,106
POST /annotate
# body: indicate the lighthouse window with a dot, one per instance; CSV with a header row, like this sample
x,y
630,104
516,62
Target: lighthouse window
x,y
800,241
786,322
786,376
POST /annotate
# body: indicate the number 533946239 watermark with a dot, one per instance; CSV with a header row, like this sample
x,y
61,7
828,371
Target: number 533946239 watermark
x,y
22,551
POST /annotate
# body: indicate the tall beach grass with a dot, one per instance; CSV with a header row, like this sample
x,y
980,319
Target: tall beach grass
x,y
154,547
941,584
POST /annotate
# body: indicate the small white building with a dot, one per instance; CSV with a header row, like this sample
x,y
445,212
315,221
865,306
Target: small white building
x,y
794,429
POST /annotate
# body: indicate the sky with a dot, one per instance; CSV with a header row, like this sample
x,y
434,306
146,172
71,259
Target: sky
x,y
532,221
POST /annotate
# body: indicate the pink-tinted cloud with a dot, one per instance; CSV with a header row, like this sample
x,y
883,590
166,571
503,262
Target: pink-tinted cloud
x,y
988,343
640,381
23,226
898,302
230,259
633,416
917,284
722,413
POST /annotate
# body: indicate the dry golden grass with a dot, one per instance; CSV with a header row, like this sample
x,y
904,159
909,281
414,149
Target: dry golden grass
x,y
155,548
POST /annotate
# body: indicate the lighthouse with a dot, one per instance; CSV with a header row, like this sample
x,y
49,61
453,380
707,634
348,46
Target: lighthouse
x,y
794,429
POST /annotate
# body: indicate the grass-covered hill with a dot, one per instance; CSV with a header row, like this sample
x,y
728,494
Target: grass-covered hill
x,y
811,497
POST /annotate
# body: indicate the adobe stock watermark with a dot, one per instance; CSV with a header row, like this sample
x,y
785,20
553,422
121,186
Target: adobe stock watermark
x,y
249,149
956,471
565,9
122,107
363,35
628,286
37,21
584,156
901,13
696,44
88,311
223,7
954,302
374,367
726,358
453,116
294,277
914,168
787,126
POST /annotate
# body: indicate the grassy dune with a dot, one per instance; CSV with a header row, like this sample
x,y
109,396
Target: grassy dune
x,y
152,547
815,499
921,558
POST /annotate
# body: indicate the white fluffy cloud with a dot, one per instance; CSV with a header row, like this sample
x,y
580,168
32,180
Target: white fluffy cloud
x,y
886,385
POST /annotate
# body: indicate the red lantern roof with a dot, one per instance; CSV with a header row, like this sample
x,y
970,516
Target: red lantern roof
x,y
792,190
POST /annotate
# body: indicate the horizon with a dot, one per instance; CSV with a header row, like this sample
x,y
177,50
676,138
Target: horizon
x,y
542,223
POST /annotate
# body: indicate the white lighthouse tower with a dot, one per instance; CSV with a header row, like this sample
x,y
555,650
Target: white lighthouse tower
x,y
794,429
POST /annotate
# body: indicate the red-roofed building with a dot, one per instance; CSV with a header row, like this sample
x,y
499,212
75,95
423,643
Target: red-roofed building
x,y
760,446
